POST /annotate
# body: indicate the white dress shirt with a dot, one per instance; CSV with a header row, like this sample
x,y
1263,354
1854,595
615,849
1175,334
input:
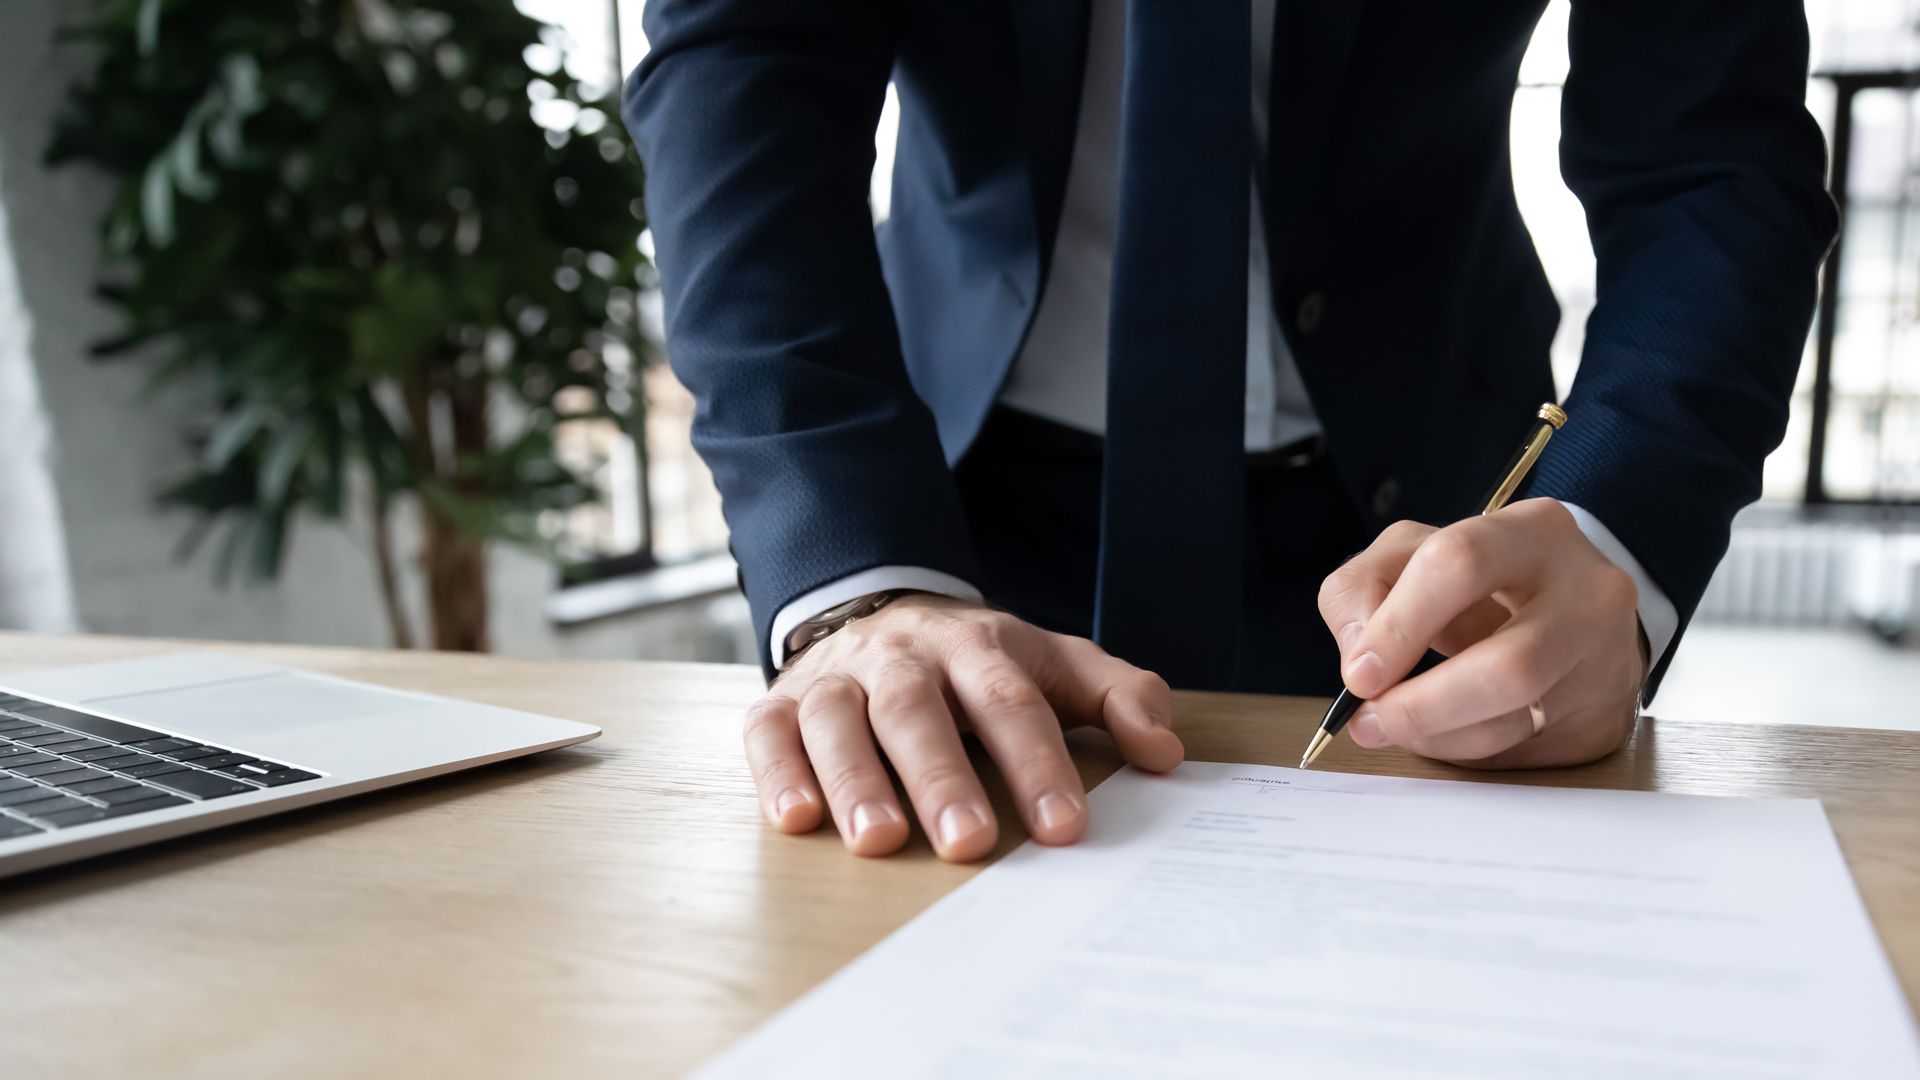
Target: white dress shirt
x,y
1061,372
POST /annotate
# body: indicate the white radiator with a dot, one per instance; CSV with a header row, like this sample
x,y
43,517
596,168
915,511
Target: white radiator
x,y
1780,571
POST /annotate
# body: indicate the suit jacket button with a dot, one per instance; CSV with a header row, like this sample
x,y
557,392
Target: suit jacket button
x,y
1385,496
1311,312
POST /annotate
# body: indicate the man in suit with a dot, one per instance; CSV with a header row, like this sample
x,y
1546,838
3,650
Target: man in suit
x,y
1180,304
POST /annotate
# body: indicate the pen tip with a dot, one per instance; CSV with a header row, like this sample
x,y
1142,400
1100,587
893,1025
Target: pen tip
x,y
1319,743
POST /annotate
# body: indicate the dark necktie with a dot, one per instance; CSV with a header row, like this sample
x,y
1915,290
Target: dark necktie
x,y
1173,494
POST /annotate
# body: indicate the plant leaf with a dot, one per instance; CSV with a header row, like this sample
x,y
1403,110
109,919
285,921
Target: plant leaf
x,y
147,35
283,457
183,161
269,542
236,429
156,204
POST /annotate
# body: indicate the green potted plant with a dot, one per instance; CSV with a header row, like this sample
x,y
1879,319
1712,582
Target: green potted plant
x,y
339,221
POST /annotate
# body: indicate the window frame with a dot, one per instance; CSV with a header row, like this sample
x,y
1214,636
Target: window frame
x,y
1846,85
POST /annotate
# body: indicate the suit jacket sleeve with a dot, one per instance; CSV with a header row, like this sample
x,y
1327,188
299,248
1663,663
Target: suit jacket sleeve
x,y
1685,136
755,119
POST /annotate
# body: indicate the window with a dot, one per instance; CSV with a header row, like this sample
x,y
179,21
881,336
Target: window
x,y
1864,393
1854,428
657,505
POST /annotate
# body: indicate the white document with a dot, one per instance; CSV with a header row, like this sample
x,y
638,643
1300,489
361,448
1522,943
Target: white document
x,y
1246,921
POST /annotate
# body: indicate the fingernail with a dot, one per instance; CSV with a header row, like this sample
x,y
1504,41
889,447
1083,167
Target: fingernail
x,y
959,821
1346,635
1367,731
870,815
788,800
1055,810
1365,673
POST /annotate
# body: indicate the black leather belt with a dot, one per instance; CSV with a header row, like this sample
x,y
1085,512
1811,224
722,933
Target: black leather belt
x,y
1039,432
1294,455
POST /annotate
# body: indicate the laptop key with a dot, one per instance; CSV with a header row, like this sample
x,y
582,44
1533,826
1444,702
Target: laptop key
x,y
13,827
157,746
97,726
100,751
82,747
30,793
285,776
50,765
79,815
56,748
50,737
224,761
27,761
35,732
54,803
151,767
73,774
107,782
189,755
136,793
255,768
160,801
202,785
124,761
14,783
15,723
80,775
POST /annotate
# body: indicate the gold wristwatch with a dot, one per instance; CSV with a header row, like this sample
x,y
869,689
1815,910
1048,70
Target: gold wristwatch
x,y
807,633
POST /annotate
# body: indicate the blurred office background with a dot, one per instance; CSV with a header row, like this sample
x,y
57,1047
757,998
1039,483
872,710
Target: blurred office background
x,y
1814,616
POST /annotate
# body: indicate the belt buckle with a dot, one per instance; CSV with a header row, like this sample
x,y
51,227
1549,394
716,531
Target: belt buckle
x,y
1294,455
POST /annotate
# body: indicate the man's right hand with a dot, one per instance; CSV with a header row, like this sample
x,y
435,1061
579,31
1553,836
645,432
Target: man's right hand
x,y
910,678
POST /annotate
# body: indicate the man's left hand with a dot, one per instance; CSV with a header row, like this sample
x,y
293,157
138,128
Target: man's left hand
x,y
1528,612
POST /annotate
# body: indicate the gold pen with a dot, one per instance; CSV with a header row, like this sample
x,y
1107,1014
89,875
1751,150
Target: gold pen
x,y
1548,420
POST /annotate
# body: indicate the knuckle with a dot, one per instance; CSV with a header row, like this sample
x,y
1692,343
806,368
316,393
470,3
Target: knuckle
x,y
766,716
852,637
1009,692
1336,587
1453,553
1034,764
975,636
941,775
844,784
1549,512
1147,685
828,692
889,643
902,685
1405,530
1002,622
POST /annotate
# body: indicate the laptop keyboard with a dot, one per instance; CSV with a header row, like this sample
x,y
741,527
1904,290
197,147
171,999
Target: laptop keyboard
x,y
60,768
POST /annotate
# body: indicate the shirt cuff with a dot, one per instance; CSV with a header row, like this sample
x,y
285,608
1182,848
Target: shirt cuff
x,y
1658,616
854,586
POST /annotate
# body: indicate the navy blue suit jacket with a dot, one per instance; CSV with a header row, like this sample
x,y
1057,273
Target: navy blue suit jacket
x,y
840,372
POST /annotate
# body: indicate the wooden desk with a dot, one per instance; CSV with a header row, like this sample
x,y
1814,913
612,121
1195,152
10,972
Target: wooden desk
x,y
618,908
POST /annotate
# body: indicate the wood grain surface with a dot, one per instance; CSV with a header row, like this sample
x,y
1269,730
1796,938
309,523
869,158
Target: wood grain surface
x,y
618,908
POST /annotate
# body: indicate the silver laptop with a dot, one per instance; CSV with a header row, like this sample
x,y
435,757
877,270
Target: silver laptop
x,y
107,756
